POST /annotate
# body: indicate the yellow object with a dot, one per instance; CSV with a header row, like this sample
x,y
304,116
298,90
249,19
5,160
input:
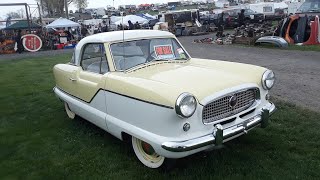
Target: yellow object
x,y
161,83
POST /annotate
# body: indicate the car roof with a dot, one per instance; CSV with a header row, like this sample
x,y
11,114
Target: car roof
x,y
116,36
124,35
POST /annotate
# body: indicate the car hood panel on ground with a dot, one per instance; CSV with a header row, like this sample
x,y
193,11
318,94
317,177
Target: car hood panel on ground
x,y
163,82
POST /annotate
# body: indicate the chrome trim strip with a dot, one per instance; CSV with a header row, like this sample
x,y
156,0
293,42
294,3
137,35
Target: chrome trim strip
x,y
149,102
215,138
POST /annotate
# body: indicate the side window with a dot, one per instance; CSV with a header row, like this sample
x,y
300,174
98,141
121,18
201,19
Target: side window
x,y
267,9
94,59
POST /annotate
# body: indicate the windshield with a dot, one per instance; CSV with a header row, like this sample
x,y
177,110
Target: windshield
x,y
130,54
309,6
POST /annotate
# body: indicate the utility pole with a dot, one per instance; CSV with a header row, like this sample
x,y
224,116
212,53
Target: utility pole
x,y
66,8
41,6
40,17
27,14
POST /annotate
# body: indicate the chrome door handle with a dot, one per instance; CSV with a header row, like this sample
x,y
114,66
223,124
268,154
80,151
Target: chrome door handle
x,y
72,79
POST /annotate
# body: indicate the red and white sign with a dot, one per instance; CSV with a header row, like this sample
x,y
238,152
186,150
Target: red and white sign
x,y
31,42
164,52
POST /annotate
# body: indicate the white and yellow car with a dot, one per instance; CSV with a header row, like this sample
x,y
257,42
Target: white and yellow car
x,y
143,85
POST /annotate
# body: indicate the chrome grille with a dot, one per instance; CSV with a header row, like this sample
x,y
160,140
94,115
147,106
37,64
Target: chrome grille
x,y
220,108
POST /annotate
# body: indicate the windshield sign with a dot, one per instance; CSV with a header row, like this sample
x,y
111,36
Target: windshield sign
x,y
127,55
164,52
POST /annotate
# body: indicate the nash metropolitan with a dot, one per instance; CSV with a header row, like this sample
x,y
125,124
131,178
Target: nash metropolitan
x,y
143,86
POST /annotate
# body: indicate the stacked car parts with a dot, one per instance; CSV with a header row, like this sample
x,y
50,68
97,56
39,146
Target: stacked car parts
x,y
300,29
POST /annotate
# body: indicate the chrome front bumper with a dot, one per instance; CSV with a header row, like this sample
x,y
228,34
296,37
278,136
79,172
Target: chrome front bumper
x,y
219,135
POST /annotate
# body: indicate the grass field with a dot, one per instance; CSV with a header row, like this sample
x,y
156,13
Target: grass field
x,y
38,141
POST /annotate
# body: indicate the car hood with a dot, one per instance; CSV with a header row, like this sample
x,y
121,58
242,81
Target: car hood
x,y
162,82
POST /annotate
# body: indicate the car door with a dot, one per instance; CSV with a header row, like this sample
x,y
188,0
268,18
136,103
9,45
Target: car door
x,y
91,79
66,76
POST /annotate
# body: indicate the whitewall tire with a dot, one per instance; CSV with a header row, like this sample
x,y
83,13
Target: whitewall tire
x,y
146,154
70,114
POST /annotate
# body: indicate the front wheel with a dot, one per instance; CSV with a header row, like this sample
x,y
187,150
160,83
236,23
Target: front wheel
x,y
146,154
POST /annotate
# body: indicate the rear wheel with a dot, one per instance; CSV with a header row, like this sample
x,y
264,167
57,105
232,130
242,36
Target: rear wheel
x,y
70,114
146,154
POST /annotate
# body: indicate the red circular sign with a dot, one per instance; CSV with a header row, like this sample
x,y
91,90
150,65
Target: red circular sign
x,y
31,42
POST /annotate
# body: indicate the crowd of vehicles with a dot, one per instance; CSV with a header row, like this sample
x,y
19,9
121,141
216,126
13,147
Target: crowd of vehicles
x,y
206,15
230,17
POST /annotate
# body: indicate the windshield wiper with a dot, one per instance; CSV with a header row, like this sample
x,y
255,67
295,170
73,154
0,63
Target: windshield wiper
x,y
178,59
159,60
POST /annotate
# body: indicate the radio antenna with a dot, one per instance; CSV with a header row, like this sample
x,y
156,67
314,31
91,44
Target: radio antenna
x,y
122,27
124,57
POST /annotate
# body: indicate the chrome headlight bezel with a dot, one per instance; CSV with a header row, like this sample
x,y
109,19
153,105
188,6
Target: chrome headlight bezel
x,y
181,101
268,75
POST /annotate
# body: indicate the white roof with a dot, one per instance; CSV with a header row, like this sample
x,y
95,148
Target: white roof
x,y
281,5
132,18
127,34
114,19
62,22
149,15
116,36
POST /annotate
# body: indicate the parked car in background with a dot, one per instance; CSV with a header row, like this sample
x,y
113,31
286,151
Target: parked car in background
x,y
155,9
278,15
208,19
231,17
171,7
203,7
148,90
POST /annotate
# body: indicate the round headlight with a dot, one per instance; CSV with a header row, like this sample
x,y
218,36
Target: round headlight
x,y
268,79
186,105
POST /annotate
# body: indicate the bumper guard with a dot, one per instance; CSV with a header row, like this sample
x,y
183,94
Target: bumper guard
x,y
219,135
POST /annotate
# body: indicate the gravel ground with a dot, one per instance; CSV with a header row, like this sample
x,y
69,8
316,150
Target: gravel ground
x,y
297,72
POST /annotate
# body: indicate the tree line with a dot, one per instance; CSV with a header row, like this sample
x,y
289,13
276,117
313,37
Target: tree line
x,y
51,7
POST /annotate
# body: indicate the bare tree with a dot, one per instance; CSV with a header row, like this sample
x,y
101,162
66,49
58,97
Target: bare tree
x,y
15,14
54,7
81,4
21,12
